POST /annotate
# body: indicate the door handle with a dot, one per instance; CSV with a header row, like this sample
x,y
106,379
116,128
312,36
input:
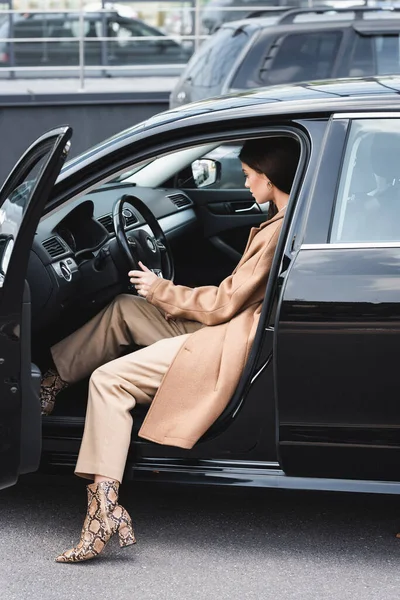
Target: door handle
x,y
253,208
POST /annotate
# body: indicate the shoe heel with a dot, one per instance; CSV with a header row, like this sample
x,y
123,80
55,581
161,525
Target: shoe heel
x,y
126,535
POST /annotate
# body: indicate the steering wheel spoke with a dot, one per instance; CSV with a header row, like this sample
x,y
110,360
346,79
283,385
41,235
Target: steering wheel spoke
x,y
161,246
152,250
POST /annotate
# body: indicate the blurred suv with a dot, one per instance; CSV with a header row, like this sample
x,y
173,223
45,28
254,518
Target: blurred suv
x,y
218,12
124,47
301,45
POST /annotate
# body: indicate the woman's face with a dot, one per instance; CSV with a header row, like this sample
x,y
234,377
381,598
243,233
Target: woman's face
x,y
257,183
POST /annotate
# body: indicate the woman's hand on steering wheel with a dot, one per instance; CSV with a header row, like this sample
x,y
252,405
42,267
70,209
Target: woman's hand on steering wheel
x,y
142,280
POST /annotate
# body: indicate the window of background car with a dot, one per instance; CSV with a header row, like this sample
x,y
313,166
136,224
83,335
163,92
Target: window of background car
x,y
60,27
301,57
31,26
216,57
124,29
368,201
375,55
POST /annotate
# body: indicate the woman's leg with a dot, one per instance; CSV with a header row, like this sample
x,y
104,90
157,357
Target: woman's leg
x,y
115,388
126,321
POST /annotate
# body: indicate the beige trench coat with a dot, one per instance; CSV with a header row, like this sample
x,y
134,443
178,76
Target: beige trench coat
x,y
204,375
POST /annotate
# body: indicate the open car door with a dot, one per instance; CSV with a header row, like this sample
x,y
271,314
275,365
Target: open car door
x,y
22,199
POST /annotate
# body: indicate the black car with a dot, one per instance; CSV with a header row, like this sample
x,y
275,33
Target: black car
x,y
55,41
301,45
317,405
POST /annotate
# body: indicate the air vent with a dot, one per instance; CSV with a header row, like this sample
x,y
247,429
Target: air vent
x,y
180,200
107,222
54,247
129,219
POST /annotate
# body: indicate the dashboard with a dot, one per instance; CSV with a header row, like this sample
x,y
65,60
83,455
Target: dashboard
x,y
71,264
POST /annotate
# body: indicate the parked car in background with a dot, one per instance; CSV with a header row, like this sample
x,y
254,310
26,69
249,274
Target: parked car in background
x,y
124,48
303,45
317,406
218,12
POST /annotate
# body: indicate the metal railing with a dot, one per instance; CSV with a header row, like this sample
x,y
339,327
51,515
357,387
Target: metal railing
x,y
84,41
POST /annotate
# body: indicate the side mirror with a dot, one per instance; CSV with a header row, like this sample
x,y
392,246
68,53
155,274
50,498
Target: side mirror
x,y
205,172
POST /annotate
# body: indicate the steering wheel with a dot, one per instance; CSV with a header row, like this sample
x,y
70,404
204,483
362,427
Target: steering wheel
x,y
152,249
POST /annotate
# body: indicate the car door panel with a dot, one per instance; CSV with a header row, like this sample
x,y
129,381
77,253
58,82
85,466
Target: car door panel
x,y
22,199
338,417
226,217
339,318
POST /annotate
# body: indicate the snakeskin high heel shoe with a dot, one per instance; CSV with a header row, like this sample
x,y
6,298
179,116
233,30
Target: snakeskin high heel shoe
x,y
51,385
104,518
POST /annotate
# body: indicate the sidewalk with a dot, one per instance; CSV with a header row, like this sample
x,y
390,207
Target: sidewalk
x,y
92,85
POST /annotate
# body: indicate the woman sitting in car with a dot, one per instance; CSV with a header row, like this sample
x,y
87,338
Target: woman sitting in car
x,y
196,343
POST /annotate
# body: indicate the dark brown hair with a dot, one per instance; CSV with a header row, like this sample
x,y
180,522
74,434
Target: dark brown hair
x,y
275,157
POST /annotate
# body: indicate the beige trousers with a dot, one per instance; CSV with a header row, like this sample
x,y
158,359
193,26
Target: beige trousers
x,y
117,384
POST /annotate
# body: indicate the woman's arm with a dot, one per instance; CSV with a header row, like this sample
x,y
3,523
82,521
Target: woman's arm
x,y
212,305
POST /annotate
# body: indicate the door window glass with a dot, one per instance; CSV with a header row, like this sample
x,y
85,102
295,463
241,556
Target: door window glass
x,y
73,28
375,55
302,57
13,205
368,200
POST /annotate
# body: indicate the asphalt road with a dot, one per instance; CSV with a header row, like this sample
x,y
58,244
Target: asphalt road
x,y
203,543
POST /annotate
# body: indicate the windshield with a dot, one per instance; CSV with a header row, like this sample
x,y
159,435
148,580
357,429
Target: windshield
x,y
216,57
128,175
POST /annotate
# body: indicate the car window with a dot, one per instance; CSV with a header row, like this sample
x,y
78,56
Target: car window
x,y
231,174
12,210
60,27
181,164
216,57
375,55
301,57
30,27
368,201
124,29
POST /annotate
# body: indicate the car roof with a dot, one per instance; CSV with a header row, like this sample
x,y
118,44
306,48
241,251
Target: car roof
x,y
326,96
70,16
301,99
365,19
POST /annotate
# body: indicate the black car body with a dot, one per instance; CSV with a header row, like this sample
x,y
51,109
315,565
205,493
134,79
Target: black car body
x,y
303,45
55,41
317,405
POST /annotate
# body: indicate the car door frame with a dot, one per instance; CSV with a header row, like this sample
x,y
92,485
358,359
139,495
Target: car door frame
x,y
20,420
249,404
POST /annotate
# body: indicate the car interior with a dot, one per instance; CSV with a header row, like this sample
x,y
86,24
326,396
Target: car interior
x,y
78,262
